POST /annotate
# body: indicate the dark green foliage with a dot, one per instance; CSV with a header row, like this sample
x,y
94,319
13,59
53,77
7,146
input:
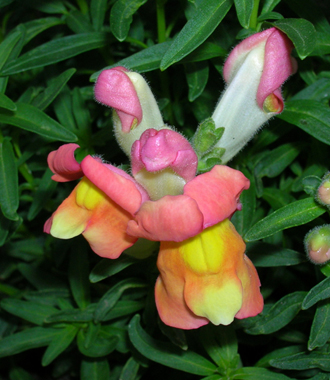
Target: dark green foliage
x,y
66,313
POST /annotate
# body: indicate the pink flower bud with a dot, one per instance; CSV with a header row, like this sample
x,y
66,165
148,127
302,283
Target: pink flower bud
x,y
323,192
317,244
254,71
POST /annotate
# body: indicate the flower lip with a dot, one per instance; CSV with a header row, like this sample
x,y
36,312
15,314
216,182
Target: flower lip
x,y
158,150
115,89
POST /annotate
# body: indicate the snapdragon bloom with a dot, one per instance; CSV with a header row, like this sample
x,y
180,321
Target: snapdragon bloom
x,y
112,210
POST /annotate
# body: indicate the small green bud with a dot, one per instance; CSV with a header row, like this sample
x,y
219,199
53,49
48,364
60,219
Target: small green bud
x,y
317,244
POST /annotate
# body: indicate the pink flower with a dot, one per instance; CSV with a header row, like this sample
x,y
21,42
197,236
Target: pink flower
x,y
112,210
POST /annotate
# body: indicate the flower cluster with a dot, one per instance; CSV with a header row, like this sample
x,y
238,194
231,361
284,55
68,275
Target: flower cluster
x,y
204,272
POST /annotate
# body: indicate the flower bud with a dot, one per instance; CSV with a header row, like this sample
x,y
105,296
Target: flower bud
x,y
317,244
323,192
254,71
135,108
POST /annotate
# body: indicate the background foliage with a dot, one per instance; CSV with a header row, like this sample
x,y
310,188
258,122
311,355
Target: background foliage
x,y
65,313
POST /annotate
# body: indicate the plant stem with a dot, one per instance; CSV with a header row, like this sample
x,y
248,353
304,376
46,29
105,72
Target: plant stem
x,y
161,23
254,16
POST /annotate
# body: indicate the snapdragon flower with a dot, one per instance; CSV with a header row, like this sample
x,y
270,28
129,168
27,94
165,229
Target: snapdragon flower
x,y
254,72
205,275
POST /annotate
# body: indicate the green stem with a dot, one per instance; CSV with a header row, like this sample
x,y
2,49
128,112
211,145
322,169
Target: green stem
x,y
254,16
161,23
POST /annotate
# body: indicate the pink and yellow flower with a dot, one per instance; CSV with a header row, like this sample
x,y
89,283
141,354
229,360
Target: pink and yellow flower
x,y
112,210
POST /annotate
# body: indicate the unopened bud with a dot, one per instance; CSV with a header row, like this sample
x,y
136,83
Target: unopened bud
x,y
323,192
317,244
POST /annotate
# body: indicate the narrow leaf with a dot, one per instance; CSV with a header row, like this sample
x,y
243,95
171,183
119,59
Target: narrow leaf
x,y
207,17
98,9
56,51
7,103
311,116
145,60
244,10
32,119
61,343
26,340
292,215
78,275
316,359
197,74
121,16
106,268
7,45
279,315
301,32
30,311
254,373
8,181
55,86
166,353
109,299
319,292
96,369
320,331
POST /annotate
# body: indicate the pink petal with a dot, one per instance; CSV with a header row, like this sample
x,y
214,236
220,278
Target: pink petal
x,y
217,193
115,89
157,150
115,183
171,218
238,54
63,163
278,66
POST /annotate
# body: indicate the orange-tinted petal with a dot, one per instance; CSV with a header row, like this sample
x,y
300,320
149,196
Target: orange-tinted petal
x,y
217,193
171,218
90,212
207,277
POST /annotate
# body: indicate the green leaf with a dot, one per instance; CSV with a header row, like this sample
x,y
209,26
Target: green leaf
x,y
311,116
269,5
220,343
35,27
17,373
55,86
276,197
270,16
268,255
205,52
254,373
123,308
320,331
319,292
7,103
81,114
98,9
244,10
30,311
54,6
109,299
302,361
96,369
61,343
242,220
78,22
322,45
279,315
301,32
55,51
32,119
44,191
7,45
9,200
78,275
94,343
72,316
207,17
121,17
279,353
197,75
166,353
106,268
26,340
145,60
130,369
277,160
319,91
292,215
